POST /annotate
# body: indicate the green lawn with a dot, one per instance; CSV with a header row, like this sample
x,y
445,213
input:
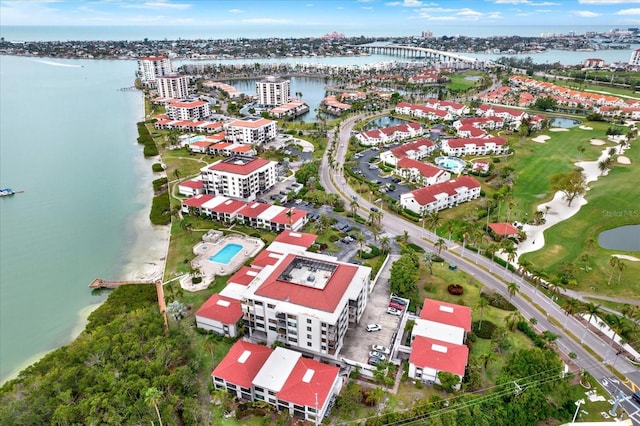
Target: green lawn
x,y
611,203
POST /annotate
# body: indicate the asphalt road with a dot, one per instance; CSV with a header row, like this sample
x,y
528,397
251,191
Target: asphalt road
x,y
495,277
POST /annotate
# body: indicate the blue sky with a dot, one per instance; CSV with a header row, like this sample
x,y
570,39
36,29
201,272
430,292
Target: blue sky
x,y
319,16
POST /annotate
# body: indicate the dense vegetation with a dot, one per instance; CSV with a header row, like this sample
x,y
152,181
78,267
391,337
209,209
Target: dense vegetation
x,y
145,138
103,376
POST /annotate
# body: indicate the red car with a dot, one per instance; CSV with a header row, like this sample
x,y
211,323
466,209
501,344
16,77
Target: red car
x,y
396,306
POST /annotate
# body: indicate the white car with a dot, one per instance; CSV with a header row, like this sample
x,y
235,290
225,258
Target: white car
x,y
394,311
381,349
373,327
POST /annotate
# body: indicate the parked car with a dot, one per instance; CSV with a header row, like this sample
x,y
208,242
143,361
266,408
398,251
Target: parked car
x,y
398,300
381,349
347,228
397,306
374,209
394,311
636,397
378,355
373,361
373,327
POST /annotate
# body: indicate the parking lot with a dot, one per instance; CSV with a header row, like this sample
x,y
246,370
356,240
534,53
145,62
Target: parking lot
x,y
358,340
372,173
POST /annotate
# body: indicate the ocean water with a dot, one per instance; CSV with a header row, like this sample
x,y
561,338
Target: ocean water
x,y
68,139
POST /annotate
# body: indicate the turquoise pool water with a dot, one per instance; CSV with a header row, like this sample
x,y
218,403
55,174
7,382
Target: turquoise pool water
x,y
451,164
227,253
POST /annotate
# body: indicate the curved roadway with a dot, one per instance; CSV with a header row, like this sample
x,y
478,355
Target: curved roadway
x,y
495,277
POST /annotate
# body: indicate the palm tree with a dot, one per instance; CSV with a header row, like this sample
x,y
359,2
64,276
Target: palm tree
x,y
433,220
354,206
385,244
376,230
492,249
289,215
439,245
593,310
613,262
427,257
405,237
361,240
449,226
585,259
152,397
602,167
482,303
590,244
570,306
513,319
621,267
512,288
619,327
465,236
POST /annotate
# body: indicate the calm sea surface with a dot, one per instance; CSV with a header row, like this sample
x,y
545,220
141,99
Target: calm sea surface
x,y
68,139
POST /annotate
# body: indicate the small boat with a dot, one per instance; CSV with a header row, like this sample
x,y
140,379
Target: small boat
x,y
8,191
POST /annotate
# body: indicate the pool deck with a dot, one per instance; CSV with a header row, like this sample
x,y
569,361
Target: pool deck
x,y
250,247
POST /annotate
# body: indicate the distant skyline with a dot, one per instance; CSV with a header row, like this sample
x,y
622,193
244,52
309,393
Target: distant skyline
x,y
314,18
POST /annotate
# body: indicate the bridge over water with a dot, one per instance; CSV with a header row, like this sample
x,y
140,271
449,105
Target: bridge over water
x,y
427,53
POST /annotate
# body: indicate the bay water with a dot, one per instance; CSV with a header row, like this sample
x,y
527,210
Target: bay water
x,y
68,139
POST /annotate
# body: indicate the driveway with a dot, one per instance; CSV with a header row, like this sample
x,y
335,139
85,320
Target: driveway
x,y
358,340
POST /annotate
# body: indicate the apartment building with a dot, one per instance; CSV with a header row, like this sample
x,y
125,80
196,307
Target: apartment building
x,y
305,301
188,110
152,67
173,86
273,91
240,177
441,195
251,131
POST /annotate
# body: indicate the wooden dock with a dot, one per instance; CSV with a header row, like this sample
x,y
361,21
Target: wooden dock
x,y
100,283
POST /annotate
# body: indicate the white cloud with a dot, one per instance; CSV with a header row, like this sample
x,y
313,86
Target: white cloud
x,y
158,4
235,11
367,7
340,8
635,11
406,3
543,10
586,13
606,1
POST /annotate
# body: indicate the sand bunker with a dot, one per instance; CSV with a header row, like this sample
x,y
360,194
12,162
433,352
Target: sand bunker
x,y
623,160
626,257
541,138
597,142
558,129
585,127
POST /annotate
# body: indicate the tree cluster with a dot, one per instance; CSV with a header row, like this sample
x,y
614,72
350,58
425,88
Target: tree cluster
x,y
107,373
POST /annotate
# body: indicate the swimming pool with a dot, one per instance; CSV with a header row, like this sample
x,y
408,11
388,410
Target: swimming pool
x,y
451,164
227,253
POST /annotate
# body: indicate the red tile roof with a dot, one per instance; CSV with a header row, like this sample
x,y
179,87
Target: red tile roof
x,y
243,168
296,238
309,379
264,258
242,148
195,184
446,313
439,355
401,151
322,299
461,143
503,228
201,143
283,219
252,124
427,194
253,210
242,363
426,170
222,309
244,276
187,104
197,201
229,206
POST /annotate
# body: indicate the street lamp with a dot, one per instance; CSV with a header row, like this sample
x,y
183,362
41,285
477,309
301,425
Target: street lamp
x,y
578,404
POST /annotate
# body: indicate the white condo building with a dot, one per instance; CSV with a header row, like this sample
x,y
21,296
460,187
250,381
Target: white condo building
x,y
635,58
188,110
152,67
306,301
173,86
239,177
251,131
273,91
